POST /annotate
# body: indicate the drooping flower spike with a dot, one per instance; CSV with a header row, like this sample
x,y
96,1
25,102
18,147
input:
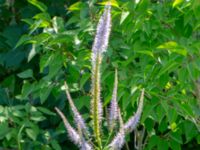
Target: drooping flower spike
x,y
113,111
73,134
119,140
79,121
133,121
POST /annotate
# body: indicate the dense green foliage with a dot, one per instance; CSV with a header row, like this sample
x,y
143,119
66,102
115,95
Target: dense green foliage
x,y
154,44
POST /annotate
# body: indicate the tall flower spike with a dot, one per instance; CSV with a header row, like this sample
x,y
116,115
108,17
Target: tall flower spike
x,y
77,117
102,34
99,46
119,139
113,112
133,121
72,133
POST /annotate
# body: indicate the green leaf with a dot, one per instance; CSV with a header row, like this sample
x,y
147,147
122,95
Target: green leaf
x,y
112,3
177,2
162,144
44,93
58,24
55,145
31,133
55,63
75,6
169,66
32,52
45,111
23,40
174,145
176,136
37,118
153,141
173,47
4,129
190,130
146,52
124,15
38,4
26,74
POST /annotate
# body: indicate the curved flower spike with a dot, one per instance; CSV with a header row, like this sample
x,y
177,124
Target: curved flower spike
x,y
133,121
73,134
77,117
113,112
119,139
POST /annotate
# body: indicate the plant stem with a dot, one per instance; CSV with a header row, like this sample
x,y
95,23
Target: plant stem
x,y
97,108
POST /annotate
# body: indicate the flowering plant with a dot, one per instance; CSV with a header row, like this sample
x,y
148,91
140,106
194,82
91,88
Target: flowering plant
x,y
80,135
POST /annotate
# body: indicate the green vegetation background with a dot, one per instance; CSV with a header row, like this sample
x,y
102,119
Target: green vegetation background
x,y
154,44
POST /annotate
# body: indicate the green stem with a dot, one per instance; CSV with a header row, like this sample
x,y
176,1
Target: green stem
x,y
19,137
96,100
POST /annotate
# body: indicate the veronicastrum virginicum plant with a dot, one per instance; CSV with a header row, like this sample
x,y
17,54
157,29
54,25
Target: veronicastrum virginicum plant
x,y
80,135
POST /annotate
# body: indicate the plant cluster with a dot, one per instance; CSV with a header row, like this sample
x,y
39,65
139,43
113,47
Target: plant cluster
x,y
81,135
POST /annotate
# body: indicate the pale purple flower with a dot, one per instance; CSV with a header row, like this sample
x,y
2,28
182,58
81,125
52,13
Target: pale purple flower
x,y
73,134
77,117
102,34
119,140
99,46
133,121
113,112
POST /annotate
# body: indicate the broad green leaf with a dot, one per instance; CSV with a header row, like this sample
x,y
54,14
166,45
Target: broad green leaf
x,y
32,52
37,118
31,133
190,130
58,24
23,40
44,93
112,3
162,144
55,145
172,46
26,74
174,145
153,141
38,4
177,2
124,15
146,52
176,136
26,89
45,111
4,129
75,6
168,67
